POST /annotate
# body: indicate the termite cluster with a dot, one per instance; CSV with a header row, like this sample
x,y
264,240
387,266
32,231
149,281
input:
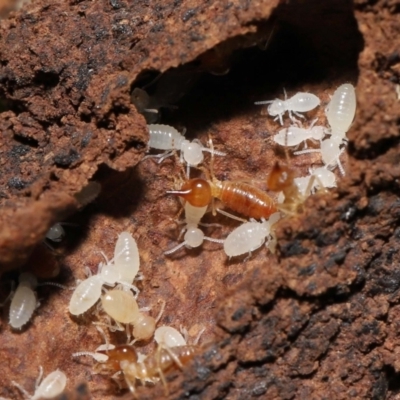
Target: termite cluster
x,y
110,296
118,310
260,209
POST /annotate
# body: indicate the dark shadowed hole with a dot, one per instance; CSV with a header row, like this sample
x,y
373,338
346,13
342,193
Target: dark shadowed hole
x,y
46,79
313,47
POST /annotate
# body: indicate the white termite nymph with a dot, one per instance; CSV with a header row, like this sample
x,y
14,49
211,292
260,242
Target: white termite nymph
x,y
121,270
322,177
24,301
165,137
294,135
341,110
194,236
50,387
169,337
325,177
300,102
331,150
126,257
249,236
121,306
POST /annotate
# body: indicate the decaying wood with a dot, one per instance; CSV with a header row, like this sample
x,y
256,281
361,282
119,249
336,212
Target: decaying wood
x,y
316,320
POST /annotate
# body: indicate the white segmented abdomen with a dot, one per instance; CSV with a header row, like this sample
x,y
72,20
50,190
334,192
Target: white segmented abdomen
x,y
168,336
51,386
330,150
22,306
164,137
291,136
342,108
302,102
86,294
126,257
245,238
193,215
325,176
120,305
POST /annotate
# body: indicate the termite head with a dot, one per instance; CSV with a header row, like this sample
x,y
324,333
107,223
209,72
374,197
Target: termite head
x,y
277,107
121,354
280,178
196,191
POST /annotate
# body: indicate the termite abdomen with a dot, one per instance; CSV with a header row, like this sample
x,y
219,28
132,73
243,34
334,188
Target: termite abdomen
x,y
245,199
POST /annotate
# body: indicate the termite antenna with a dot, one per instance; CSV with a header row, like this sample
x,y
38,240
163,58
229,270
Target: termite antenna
x,y
265,46
19,387
161,312
259,103
179,192
229,215
53,284
175,248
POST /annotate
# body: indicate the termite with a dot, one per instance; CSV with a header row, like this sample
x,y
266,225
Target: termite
x,y
194,236
300,102
281,179
165,137
340,114
341,110
122,269
331,150
168,336
126,257
50,387
241,197
23,300
249,236
122,307
294,135
324,178
125,359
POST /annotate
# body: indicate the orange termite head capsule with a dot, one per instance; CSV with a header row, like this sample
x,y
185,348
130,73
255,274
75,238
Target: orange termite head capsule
x,y
280,178
196,191
119,354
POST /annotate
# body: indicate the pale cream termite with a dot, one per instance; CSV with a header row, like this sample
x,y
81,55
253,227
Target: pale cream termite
x,y
341,110
169,337
125,359
249,236
300,102
165,137
51,386
24,301
122,270
294,135
122,307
